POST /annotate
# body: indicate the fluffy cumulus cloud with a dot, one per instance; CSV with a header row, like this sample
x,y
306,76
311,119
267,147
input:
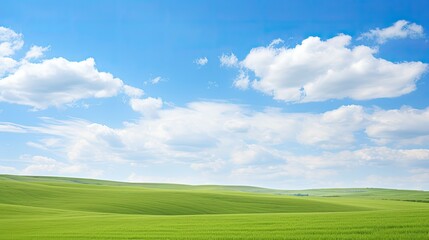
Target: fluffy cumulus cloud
x,y
318,70
400,29
57,81
51,82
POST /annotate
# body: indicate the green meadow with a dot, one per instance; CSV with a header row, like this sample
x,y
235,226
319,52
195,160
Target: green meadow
x,y
69,208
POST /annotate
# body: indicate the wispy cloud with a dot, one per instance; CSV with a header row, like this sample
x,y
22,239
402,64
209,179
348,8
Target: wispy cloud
x,y
400,29
155,80
11,127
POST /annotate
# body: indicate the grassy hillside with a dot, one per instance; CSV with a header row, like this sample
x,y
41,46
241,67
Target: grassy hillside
x,y
68,208
375,193
131,199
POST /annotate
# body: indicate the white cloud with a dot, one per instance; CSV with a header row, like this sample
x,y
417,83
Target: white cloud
x,y
57,81
51,82
333,128
35,52
155,178
400,29
45,143
41,165
229,142
215,165
318,70
10,42
276,42
201,132
417,178
228,60
295,175
80,140
8,170
406,125
365,156
156,80
388,154
6,65
325,165
201,61
285,176
133,92
147,106
11,127
242,81
257,154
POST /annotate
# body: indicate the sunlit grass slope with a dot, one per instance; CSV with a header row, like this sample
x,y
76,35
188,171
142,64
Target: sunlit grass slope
x,y
374,193
68,208
140,200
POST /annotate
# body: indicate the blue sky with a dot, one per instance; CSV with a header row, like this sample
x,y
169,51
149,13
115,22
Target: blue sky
x,y
281,94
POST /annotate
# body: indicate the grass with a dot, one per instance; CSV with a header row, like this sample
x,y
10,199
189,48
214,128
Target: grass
x,y
67,208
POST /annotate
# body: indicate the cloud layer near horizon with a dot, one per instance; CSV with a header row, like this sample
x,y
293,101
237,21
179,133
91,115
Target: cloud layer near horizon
x,y
233,140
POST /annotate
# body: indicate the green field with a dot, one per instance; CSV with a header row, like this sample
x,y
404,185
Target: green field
x,y
68,208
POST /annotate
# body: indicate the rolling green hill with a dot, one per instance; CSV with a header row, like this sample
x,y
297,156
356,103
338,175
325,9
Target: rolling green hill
x,y
71,208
